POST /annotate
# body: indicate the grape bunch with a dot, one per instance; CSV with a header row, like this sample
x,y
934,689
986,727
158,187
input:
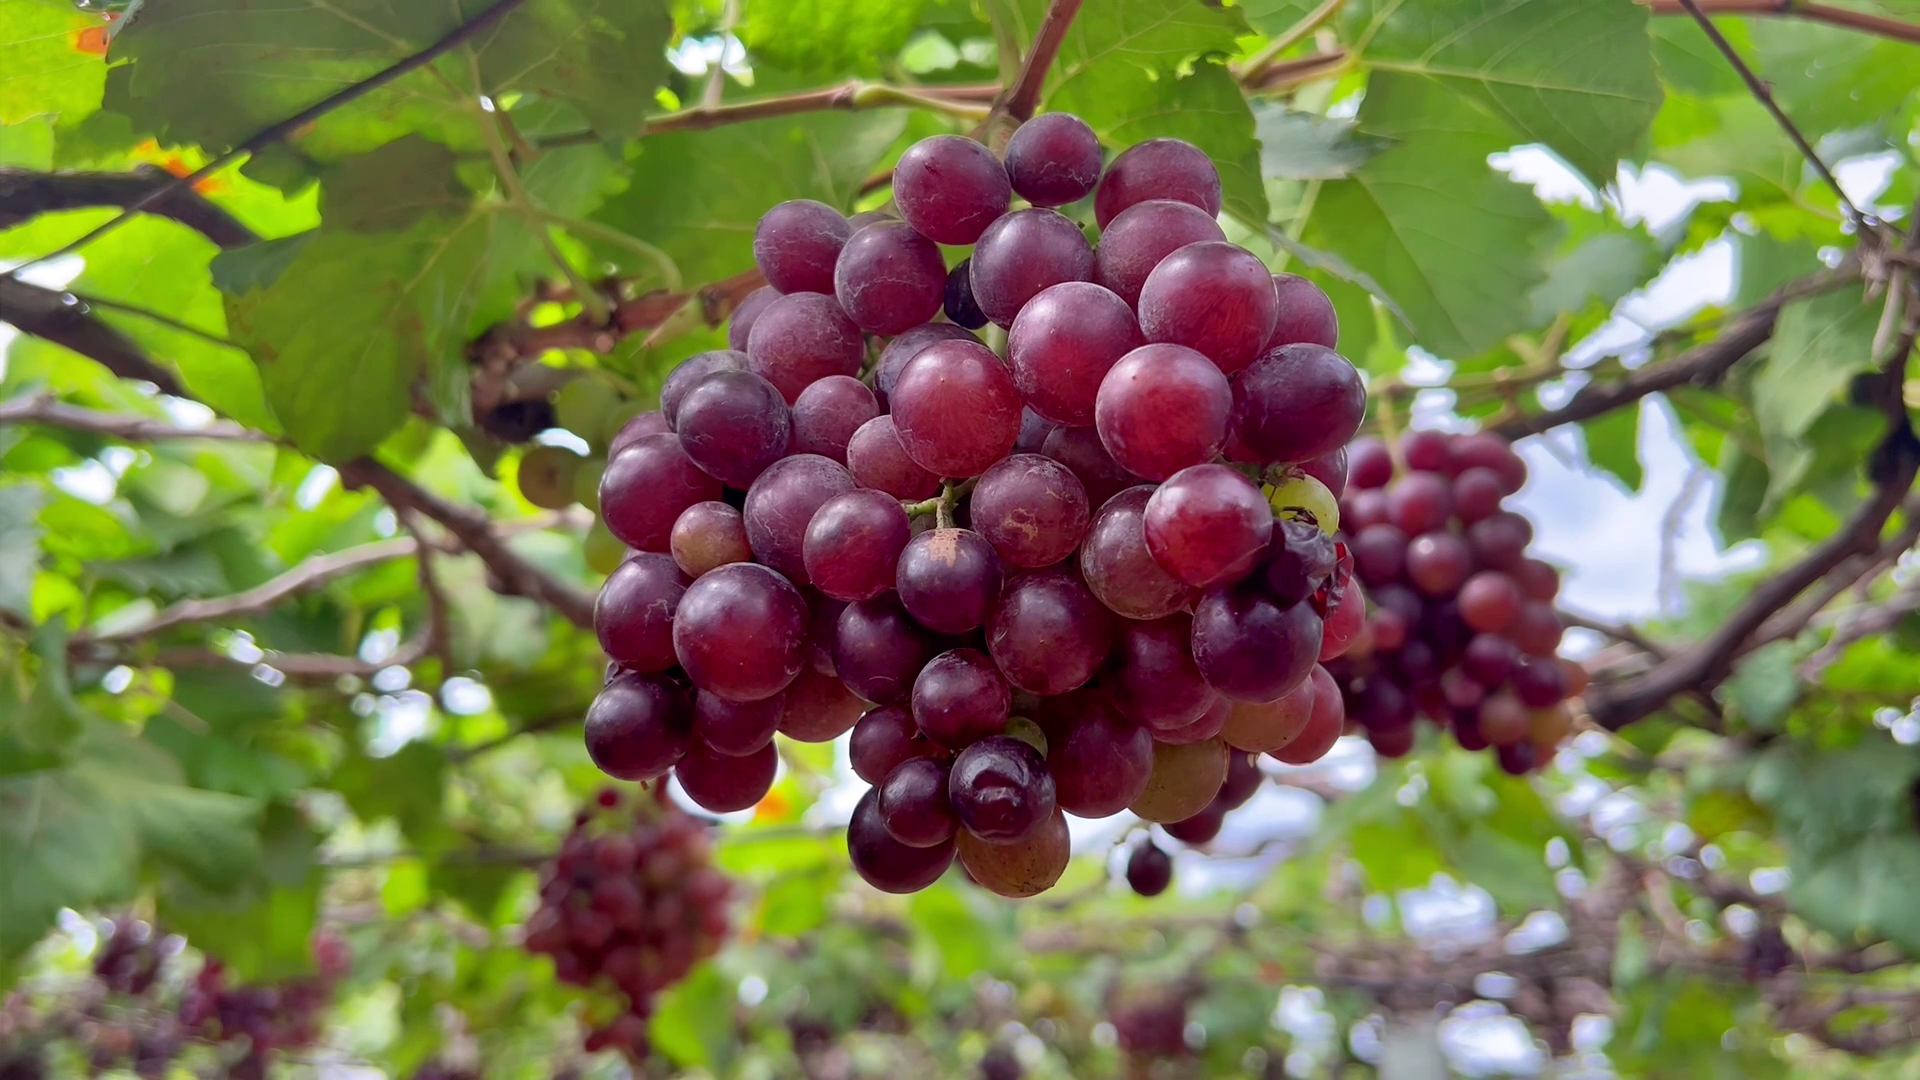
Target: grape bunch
x,y
629,904
1462,628
1062,580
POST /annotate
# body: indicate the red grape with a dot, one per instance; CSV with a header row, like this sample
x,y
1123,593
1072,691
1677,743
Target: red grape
x,y
706,535
853,542
781,505
948,580
1538,580
959,699
1476,494
1368,464
1053,160
818,708
1207,525
1500,541
1149,870
1250,649
1062,345
1306,315
1048,632
1162,408
1023,253
1330,469
1080,449
1489,659
956,408
637,727
1428,451
878,650
1100,762
1155,679
724,784
826,415
1324,724
1420,502
1142,235
884,737
734,424
1157,169
741,632
647,486
1000,789
1490,601
1260,727
886,863
735,728
878,460
957,298
890,278
914,805
741,326
1297,402
802,338
1031,509
1213,297
686,374
1119,568
633,615
906,346
950,188
796,243
1438,562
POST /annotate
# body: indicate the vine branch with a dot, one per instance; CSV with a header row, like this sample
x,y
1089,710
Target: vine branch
x,y
45,410
1878,25
25,194
1023,96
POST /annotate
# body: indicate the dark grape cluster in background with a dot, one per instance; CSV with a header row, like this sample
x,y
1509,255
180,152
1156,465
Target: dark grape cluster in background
x,y
1088,573
1462,628
628,905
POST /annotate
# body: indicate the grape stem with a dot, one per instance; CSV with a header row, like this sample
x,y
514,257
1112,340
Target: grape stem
x,y
1293,35
1023,97
943,508
1864,22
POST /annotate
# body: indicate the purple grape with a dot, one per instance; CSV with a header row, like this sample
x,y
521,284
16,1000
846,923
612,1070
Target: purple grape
x,y
1032,509
1207,525
741,632
1000,789
905,347
1053,159
1062,345
1155,679
1120,569
826,415
733,425
802,338
1142,235
1100,761
636,728
853,543
957,298
724,784
948,580
956,409
1048,633
689,372
706,535
950,188
633,615
878,460
781,505
914,805
890,278
795,245
1251,649
885,736
1158,169
878,650
1297,402
1023,253
886,863
740,327
1213,297
1080,449
735,728
959,699
647,486
1306,315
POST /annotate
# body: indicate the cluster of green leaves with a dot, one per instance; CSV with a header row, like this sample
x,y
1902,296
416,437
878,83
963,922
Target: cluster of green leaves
x,y
177,774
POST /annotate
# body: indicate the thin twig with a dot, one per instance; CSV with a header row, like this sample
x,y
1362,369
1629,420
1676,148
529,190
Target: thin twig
x,y
850,96
1291,73
1288,38
1847,18
1765,96
153,316
44,410
438,636
274,133
1023,97
26,194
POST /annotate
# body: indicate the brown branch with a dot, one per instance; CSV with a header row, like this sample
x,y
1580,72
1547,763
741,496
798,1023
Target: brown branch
x,y
512,573
51,315
1023,97
273,133
1704,365
849,96
1703,667
437,639
1293,35
25,194
1764,96
1290,73
44,410
1878,25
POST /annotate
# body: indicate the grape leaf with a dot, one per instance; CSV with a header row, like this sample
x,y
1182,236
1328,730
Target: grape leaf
x,y
693,1020
1828,78
1613,445
698,195
1601,269
55,62
1304,146
819,36
1429,205
1818,346
206,73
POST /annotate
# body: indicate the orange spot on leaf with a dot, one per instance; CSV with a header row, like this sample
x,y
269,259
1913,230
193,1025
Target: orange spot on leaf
x,y
92,41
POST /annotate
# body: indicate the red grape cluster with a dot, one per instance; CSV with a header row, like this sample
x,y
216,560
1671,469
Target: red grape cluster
x,y
1060,581
1462,628
630,903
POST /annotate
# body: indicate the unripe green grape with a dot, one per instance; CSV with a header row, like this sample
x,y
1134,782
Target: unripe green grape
x,y
586,482
603,550
1028,732
546,476
1294,494
584,407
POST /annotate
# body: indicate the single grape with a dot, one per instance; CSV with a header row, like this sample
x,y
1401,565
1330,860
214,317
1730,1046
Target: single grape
x,y
1298,560
1461,691
1209,726
1201,828
1428,451
1438,562
1297,402
1162,408
878,650
853,543
1142,235
1262,727
1324,723
1000,789
633,615
1539,682
781,505
802,338
1536,579
1381,702
647,486
1476,494
1489,659
1207,525
1490,451
1184,780
740,327
546,476
1213,297
818,708
1517,759
1368,464
1157,169
724,784
1149,870
706,535
914,804
826,415
1250,649
1499,542
1020,868
959,698
957,297
1119,568
1330,469
1392,742
1346,617
1490,601
883,737
1080,449
796,243
948,580
1032,509
1021,254
1306,315
1048,633
950,188
637,726
1062,345
734,728
689,373
1155,680
956,409
741,632
877,460
1467,731
905,347
734,424
1504,720
1420,502
1099,761
886,863
1034,430
651,422
1243,779
890,278
1053,160
1363,508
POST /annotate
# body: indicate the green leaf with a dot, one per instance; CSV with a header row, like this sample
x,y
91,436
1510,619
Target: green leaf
x,y
1396,853
1765,685
1818,346
19,546
369,312
698,195
259,921
1600,270
821,36
203,72
393,187
1577,75
693,1020
1421,210
1205,107
47,73
78,834
1306,146
1613,444
1829,77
